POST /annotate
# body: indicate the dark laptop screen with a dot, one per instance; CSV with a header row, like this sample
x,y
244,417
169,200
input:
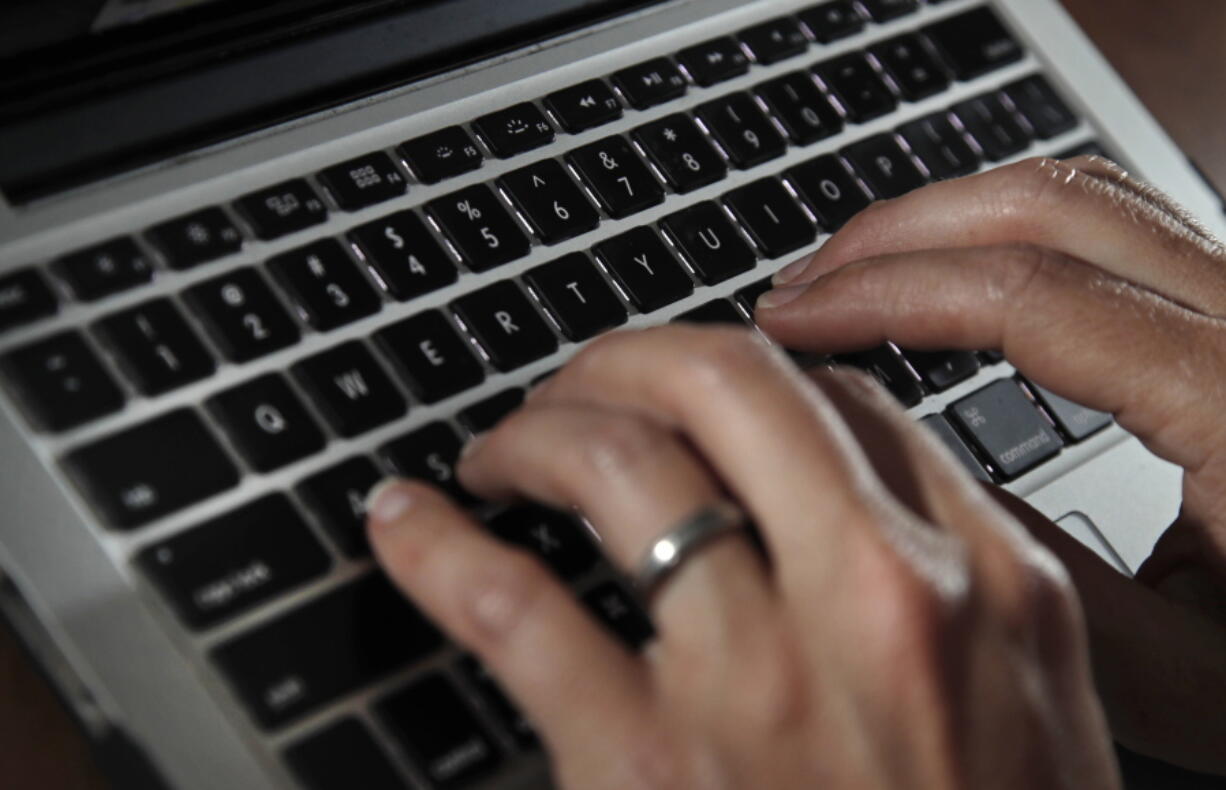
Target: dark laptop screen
x,y
89,88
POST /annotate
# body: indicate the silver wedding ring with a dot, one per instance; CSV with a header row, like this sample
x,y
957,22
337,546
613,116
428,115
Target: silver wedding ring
x,y
680,543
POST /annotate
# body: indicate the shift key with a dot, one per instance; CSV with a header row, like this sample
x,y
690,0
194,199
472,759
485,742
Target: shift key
x,y
1007,427
325,649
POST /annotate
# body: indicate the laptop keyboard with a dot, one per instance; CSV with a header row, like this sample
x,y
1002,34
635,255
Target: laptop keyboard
x,y
451,727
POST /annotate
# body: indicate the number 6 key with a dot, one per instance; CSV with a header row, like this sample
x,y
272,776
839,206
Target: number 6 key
x,y
553,205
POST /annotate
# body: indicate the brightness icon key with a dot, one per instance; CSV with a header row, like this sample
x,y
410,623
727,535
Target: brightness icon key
x,y
514,130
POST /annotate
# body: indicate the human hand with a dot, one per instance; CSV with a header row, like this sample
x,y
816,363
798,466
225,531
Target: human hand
x,y
1102,290
901,631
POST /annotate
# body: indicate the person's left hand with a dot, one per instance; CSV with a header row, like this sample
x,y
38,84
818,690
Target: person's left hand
x,y
901,631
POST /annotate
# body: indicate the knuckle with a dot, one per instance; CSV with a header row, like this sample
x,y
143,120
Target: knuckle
x,y
1037,598
613,445
499,598
722,355
654,761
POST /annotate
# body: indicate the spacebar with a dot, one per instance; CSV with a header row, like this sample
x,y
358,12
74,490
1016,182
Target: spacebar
x,y
329,647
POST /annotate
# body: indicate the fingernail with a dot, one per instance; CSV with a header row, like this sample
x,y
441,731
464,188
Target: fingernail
x,y
388,501
779,297
790,272
472,445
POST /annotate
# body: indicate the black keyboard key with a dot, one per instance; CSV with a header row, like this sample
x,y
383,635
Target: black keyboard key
x,y
776,40
828,189
884,166
555,537
25,297
645,269
886,10
709,242
774,220
857,86
363,181
613,171
887,367
505,323
350,389
584,106
994,126
130,480
282,209
331,646
743,130
235,562
431,356
915,71
554,206
748,296
60,383
577,297
1038,101
940,370
974,43
714,61
514,130
621,614
485,414
1077,421
950,438
443,154
1007,428
717,311
681,152
832,21
991,357
196,238
109,268
405,256
155,347
1092,148
325,284
651,83
267,423
440,732
341,757
336,497
429,453
497,703
479,227
242,316
940,146
801,107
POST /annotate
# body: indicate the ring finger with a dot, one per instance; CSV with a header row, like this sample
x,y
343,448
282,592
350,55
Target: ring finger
x,y
634,480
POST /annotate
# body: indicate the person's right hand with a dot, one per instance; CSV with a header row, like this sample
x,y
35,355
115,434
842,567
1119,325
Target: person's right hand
x,y
1101,290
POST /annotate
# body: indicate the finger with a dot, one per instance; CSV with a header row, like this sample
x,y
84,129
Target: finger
x,y
1153,661
1042,202
634,480
775,443
1068,326
924,476
550,655
1112,172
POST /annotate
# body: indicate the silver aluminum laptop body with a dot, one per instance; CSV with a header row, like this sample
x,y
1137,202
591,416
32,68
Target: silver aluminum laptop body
x,y
120,653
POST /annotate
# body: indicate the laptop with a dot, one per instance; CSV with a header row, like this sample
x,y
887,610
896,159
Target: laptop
x,y
255,257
